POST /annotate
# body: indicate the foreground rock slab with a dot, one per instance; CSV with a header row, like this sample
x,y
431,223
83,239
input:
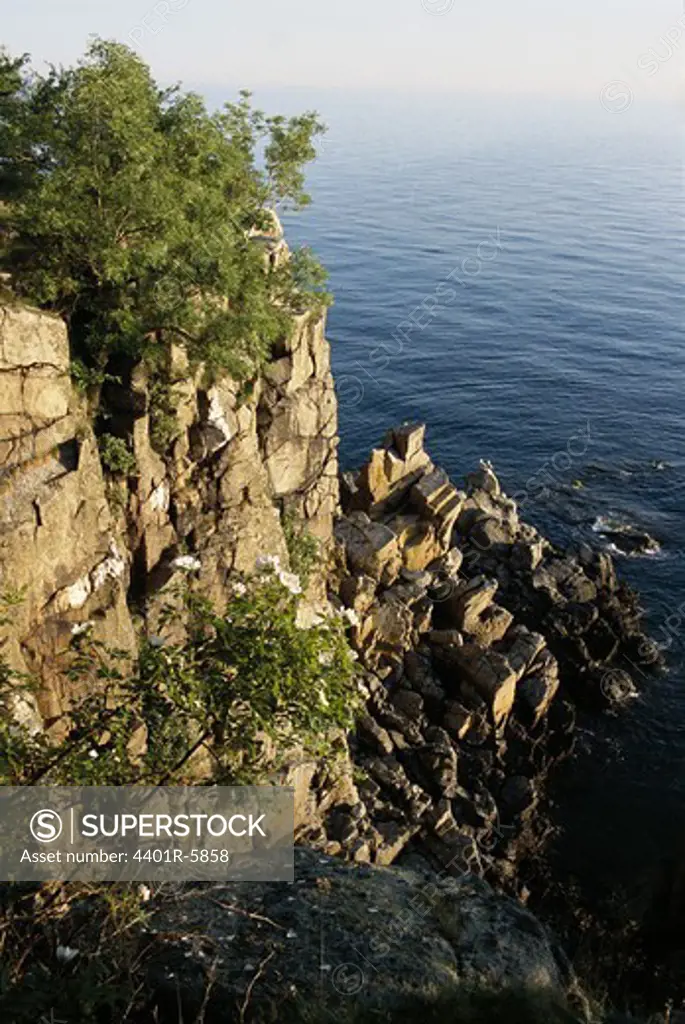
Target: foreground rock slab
x,y
342,938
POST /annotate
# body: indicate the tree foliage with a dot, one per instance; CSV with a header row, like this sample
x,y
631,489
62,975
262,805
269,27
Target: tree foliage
x,y
129,210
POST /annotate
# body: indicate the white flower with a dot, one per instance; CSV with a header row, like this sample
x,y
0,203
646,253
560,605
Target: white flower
x,y
187,562
239,588
326,658
65,954
94,754
291,582
81,627
145,893
268,562
351,616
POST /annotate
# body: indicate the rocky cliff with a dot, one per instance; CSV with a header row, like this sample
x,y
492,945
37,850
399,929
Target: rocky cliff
x,y
78,546
475,636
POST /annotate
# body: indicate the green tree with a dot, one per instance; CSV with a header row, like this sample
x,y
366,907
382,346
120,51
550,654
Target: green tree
x,y
130,209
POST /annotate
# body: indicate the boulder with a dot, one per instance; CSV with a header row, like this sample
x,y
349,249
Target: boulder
x,y
492,677
439,760
358,592
484,479
457,719
374,735
536,692
371,548
417,541
468,603
491,626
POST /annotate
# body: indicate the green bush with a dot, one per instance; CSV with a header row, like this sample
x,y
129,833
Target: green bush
x,y
304,550
116,455
239,680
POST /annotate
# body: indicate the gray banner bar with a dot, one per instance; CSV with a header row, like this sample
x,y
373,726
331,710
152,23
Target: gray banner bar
x,y
126,833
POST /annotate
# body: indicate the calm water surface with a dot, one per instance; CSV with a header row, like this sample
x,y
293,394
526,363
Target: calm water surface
x,y
561,228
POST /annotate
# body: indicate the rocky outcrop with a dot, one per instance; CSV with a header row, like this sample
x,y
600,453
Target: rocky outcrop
x,y
63,559
477,637
355,941
82,548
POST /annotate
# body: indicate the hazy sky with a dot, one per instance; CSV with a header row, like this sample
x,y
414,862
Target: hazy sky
x,y
544,46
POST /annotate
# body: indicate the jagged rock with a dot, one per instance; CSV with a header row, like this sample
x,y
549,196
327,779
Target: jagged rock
x,y
421,578
491,675
489,531
448,565
457,852
479,731
439,502
405,593
371,548
417,541
394,719
469,602
388,475
422,678
523,649
439,759
526,556
342,827
564,580
446,638
572,620
537,691
385,633
409,703
408,440
36,399
457,719
491,626
484,479
391,837
374,735
423,615
391,776
358,592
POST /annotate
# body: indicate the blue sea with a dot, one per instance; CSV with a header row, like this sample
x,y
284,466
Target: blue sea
x,y
511,273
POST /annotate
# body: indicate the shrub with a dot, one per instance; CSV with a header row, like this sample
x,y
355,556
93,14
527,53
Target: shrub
x,y
116,455
304,550
238,679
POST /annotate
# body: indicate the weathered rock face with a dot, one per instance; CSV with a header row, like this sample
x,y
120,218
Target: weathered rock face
x,y
76,547
63,560
375,939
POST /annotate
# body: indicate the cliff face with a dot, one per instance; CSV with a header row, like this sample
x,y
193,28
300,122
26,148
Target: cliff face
x,y
77,548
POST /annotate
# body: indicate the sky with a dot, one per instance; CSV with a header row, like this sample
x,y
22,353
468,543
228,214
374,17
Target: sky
x,y
547,47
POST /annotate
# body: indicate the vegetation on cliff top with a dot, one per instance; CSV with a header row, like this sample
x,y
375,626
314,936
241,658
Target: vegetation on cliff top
x,y
127,208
